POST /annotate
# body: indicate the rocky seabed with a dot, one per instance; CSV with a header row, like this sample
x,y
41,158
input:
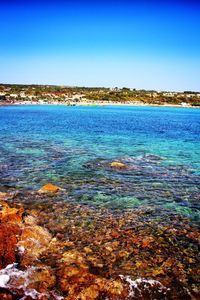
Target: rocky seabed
x,y
67,252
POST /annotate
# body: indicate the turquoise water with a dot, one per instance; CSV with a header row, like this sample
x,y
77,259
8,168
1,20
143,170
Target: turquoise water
x,y
73,147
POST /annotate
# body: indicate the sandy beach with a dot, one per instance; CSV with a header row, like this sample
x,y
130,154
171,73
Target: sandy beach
x,y
97,103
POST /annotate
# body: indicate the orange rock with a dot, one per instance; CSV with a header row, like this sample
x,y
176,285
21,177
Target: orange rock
x,y
118,165
8,240
115,234
87,250
10,219
49,188
146,242
3,195
3,204
5,295
8,214
34,240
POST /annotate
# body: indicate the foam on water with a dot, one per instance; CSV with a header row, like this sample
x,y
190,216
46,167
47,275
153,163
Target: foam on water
x,y
4,278
7,281
141,286
137,288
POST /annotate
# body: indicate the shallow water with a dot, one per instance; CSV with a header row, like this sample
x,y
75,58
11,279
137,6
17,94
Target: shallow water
x,y
73,146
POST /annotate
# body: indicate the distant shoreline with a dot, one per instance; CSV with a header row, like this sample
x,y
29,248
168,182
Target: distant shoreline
x,y
96,103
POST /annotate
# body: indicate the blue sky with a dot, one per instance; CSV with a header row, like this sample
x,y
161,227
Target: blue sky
x,y
137,44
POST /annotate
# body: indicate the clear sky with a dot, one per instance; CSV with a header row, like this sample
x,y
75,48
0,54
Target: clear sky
x,y
136,44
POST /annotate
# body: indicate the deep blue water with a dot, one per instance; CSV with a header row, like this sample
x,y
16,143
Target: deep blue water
x,y
73,146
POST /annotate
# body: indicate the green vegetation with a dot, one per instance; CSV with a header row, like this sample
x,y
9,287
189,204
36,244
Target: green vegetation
x,y
50,93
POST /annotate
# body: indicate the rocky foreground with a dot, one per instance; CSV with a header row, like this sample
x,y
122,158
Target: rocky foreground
x,y
55,250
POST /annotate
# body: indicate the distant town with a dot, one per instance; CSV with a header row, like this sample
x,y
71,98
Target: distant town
x,y
11,94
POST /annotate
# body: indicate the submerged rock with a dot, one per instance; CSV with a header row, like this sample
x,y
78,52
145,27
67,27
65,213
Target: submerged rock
x,y
118,165
3,195
70,251
79,283
49,188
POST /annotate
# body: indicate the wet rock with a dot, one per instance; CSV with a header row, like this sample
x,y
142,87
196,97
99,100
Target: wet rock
x,y
73,280
74,257
8,214
34,240
31,283
90,293
3,205
87,250
146,242
105,289
40,279
78,283
49,188
9,233
95,261
142,288
8,241
87,260
6,295
3,195
118,165
43,279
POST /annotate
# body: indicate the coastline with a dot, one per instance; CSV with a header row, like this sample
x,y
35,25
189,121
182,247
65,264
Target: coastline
x,y
98,103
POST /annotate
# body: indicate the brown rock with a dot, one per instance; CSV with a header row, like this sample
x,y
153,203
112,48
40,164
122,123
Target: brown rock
x,y
90,293
72,280
49,188
42,280
95,261
114,289
74,257
80,283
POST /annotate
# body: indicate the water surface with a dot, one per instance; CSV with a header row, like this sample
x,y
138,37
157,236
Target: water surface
x,y
72,147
